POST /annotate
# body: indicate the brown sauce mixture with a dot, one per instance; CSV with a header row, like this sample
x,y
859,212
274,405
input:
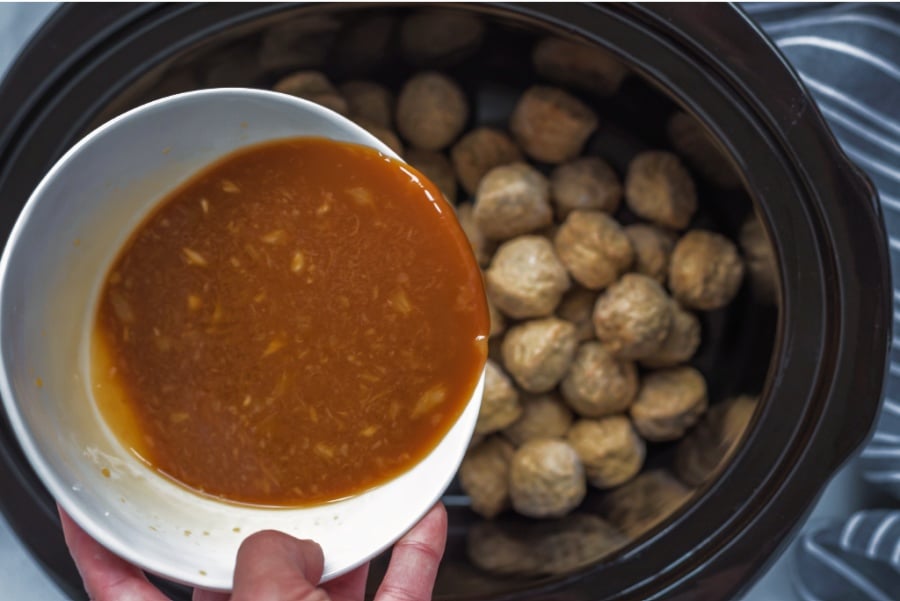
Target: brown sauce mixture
x,y
301,321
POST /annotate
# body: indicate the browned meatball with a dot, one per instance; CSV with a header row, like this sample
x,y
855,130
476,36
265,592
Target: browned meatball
x,y
500,404
644,502
481,246
550,547
551,125
440,37
588,184
436,167
633,316
659,189
512,200
546,479
705,271
594,248
652,248
370,101
697,146
312,86
712,442
479,151
609,448
526,279
484,476
543,416
598,383
431,111
538,353
681,342
577,307
668,403
760,259
585,66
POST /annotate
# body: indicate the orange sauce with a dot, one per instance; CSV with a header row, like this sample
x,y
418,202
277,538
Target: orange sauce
x,y
299,322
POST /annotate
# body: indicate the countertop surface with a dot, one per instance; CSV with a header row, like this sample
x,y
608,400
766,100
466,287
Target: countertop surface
x,y
22,577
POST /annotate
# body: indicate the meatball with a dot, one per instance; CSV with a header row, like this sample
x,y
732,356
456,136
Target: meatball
x,y
481,246
538,353
500,549
440,37
598,383
546,548
546,479
484,476
588,184
551,125
363,45
680,344
712,442
312,86
526,279
652,249
500,404
436,167
644,502
760,258
431,111
577,307
633,316
594,248
668,403
388,137
584,66
705,271
575,541
512,200
694,144
498,322
370,101
543,416
479,151
609,448
294,44
659,189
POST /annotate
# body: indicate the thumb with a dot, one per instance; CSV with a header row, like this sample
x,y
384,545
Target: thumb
x,y
273,566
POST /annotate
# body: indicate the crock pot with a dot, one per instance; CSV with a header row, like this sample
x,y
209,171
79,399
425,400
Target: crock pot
x,y
817,359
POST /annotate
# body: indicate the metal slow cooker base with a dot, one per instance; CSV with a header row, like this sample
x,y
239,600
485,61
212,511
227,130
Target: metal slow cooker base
x,y
831,333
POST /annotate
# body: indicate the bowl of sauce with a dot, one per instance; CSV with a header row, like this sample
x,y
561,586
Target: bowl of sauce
x,y
233,310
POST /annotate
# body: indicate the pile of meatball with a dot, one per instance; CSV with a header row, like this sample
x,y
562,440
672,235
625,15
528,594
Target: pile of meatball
x,y
593,322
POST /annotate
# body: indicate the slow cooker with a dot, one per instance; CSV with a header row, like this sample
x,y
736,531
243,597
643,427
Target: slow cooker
x,y
816,358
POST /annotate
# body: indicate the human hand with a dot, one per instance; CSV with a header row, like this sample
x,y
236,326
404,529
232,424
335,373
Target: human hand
x,y
273,566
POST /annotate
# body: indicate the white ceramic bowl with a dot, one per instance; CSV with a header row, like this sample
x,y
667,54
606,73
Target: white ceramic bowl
x,y
50,277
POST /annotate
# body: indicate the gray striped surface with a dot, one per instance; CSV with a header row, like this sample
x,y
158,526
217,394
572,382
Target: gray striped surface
x,y
849,58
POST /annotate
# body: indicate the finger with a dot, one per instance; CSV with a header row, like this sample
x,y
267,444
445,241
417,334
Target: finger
x,y
349,587
106,576
415,560
273,566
